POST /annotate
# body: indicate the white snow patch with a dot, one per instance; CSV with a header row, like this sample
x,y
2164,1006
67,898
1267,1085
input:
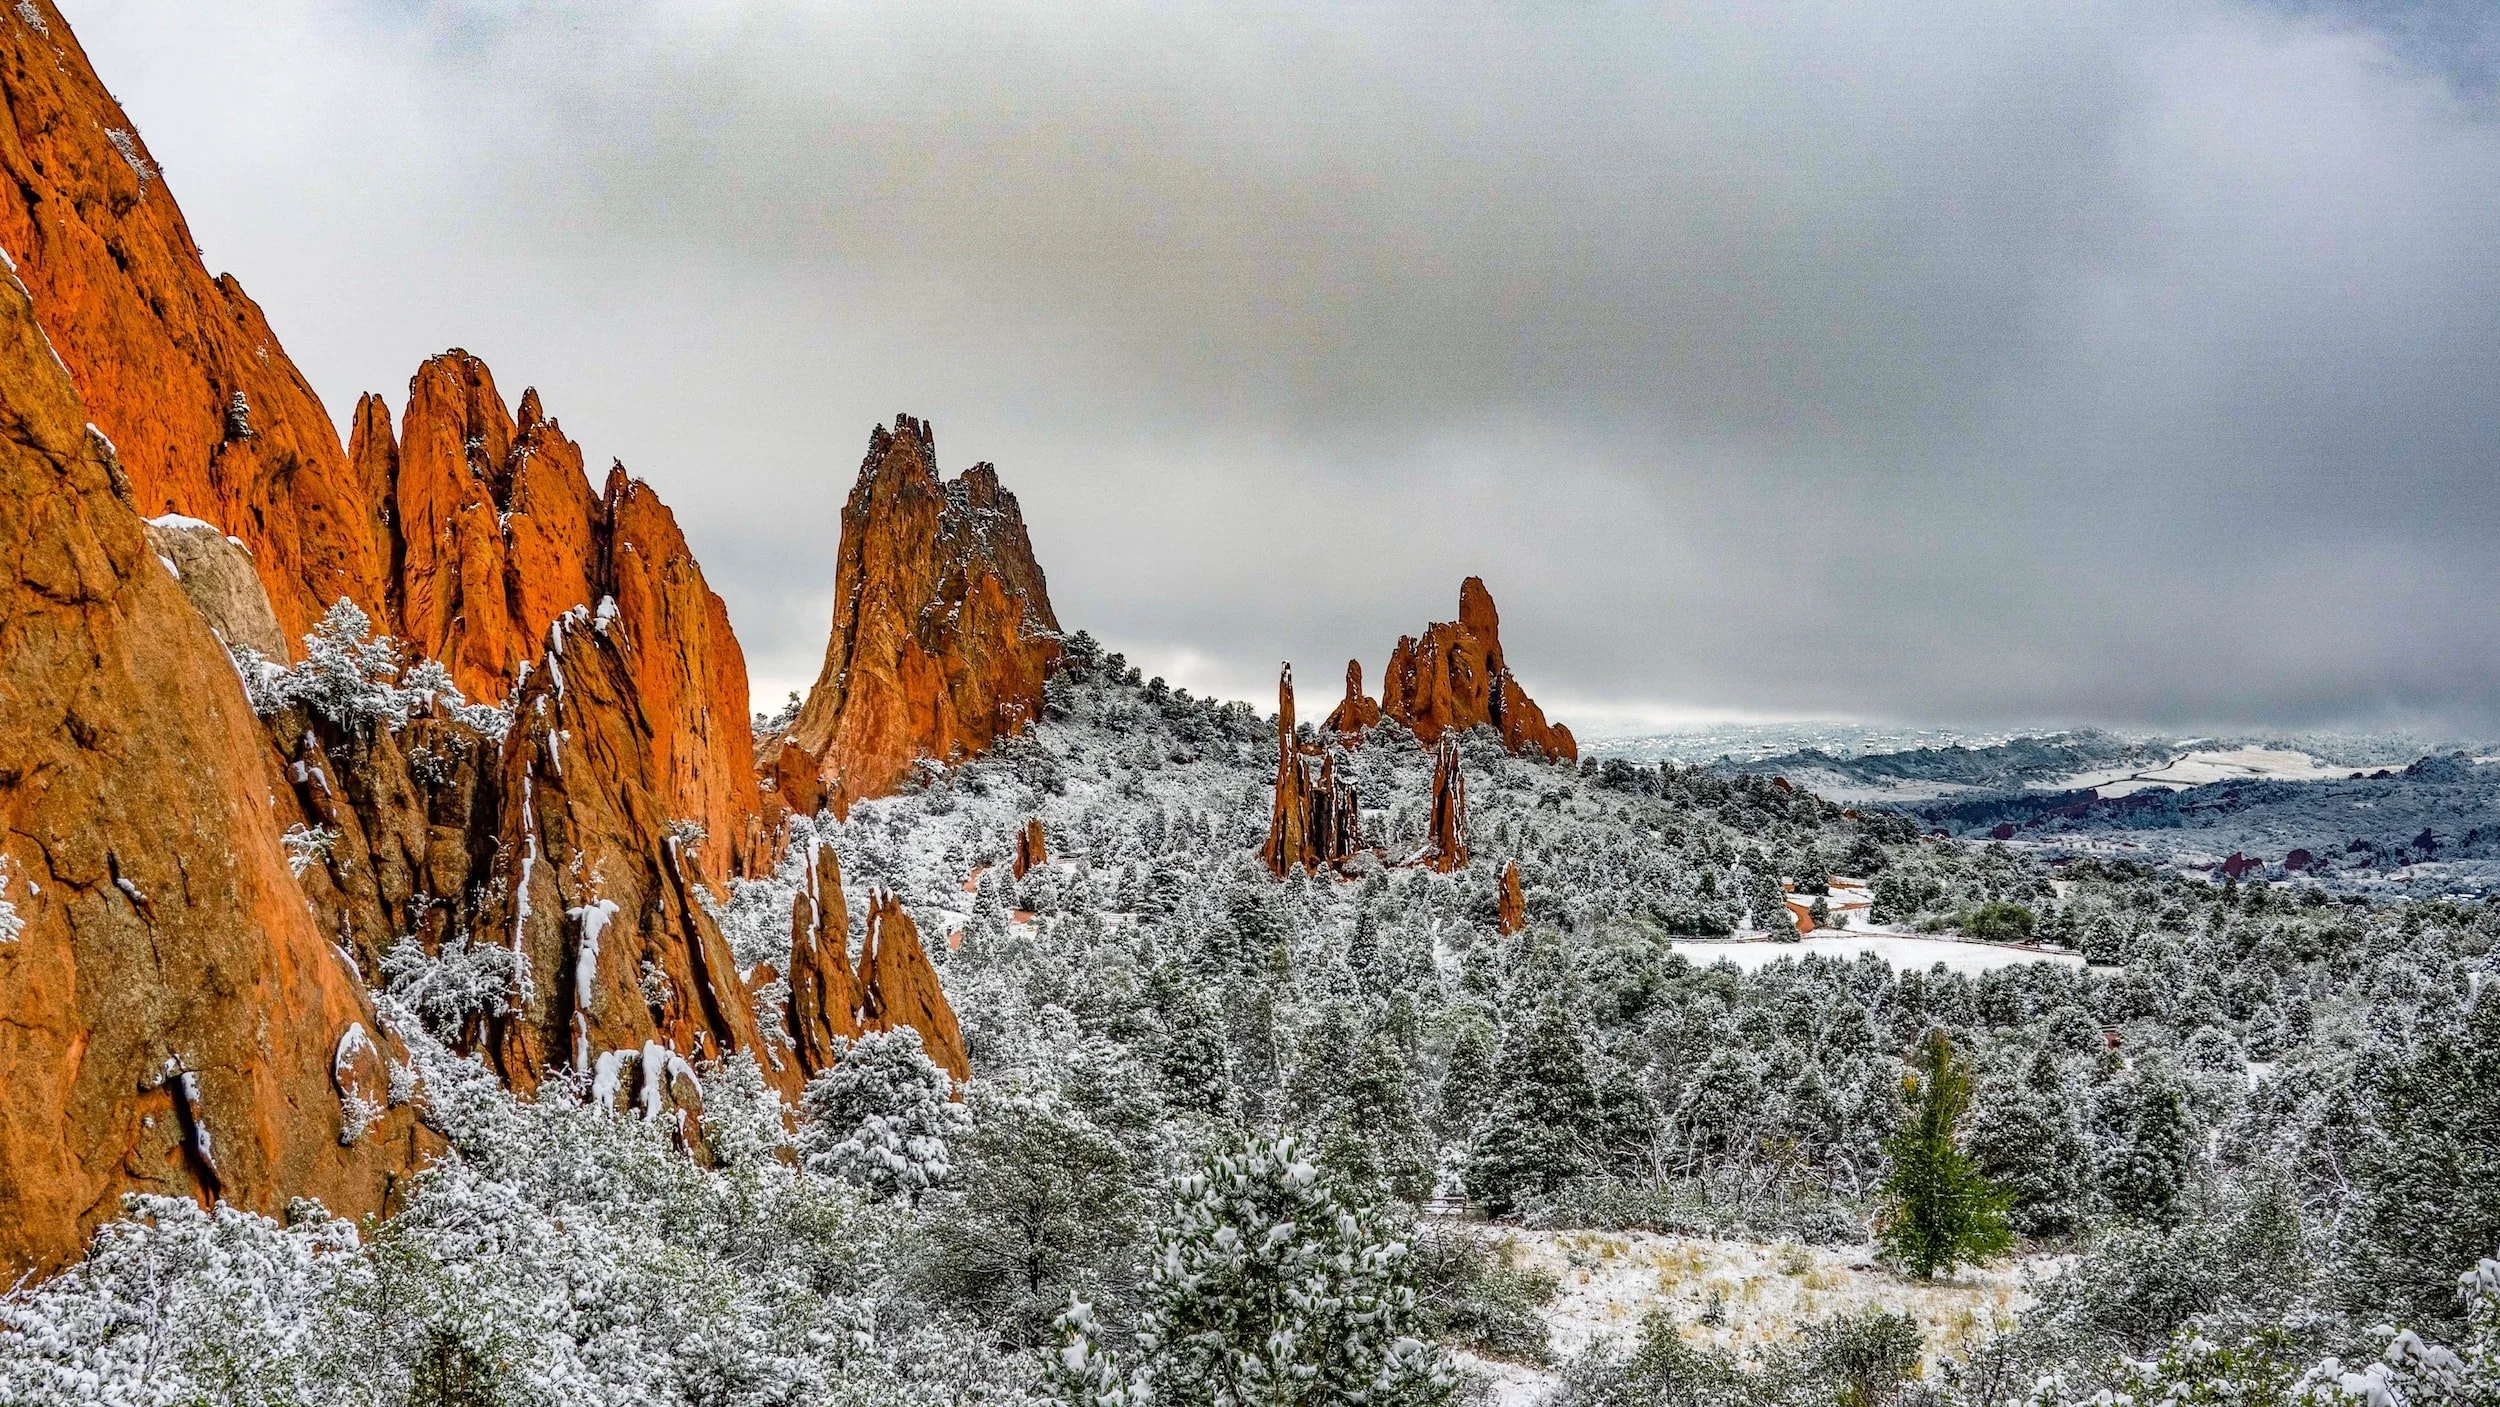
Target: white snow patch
x,y
1903,951
11,926
594,921
176,520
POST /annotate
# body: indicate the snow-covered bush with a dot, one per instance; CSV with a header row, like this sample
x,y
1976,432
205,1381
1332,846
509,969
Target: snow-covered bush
x,y
458,982
359,680
881,1117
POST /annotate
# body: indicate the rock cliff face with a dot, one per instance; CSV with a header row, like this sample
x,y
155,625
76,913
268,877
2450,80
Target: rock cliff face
x,y
171,1015
499,534
824,994
1454,677
596,880
217,575
898,986
179,369
942,628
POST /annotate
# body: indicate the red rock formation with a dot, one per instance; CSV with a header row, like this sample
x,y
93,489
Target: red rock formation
x,y
1289,819
1031,848
501,535
170,1018
1454,677
824,996
1446,848
1356,712
1313,825
1514,914
942,628
898,987
596,885
179,369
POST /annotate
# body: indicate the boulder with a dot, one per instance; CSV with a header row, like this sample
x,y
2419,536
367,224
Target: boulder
x,y
1454,677
217,576
942,628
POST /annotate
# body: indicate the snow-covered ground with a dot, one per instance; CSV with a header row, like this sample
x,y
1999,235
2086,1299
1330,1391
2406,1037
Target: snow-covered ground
x,y
1766,1292
2196,768
1902,950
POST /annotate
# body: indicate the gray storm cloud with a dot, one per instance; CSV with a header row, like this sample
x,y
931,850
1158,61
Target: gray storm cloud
x,y
2128,362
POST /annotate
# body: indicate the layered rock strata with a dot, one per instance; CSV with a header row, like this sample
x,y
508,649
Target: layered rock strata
x,y
942,629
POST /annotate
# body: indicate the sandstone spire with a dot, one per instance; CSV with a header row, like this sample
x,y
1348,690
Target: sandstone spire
x,y
942,628
1355,712
1446,847
1514,904
1289,820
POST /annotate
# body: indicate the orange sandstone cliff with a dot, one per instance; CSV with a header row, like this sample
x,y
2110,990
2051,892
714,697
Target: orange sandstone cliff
x,y
171,1020
942,628
178,369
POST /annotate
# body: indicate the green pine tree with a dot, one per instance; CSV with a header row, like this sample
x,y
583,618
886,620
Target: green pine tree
x,y
2027,1137
1939,1210
1546,1126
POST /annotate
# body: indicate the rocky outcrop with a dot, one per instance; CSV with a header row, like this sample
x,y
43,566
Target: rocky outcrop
x,y
217,575
500,534
1513,915
170,1017
1314,824
1445,845
898,987
1289,815
942,628
177,368
1454,677
1356,713
824,995
595,881
1031,848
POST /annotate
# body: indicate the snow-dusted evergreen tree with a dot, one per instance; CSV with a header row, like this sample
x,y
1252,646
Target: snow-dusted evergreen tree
x,y
1266,1288
881,1116
1939,1209
2146,1139
2026,1135
1374,1142
1544,1127
2430,1165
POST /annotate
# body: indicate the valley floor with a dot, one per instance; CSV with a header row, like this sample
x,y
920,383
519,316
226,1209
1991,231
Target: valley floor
x,y
1768,1292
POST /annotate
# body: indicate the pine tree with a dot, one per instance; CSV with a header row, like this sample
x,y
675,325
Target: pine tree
x,y
1939,1210
880,1116
1375,1143
1544,1128
2430,1180
1466,1084
2026,1135
2147,1140
1267,1289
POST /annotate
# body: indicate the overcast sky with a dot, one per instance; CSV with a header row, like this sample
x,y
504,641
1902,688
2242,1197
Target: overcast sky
x,y
1965,361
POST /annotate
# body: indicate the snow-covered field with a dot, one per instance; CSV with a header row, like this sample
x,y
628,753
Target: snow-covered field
x,y
2192,769
1902,950
1765,1292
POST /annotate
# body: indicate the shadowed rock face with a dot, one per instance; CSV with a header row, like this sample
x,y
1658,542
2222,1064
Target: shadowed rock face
x,y
597,885
1454,677
942,628
179,369
170,1018
1032,848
